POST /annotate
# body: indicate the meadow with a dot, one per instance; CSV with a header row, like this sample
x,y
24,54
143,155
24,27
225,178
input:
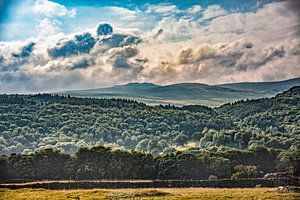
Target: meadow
x,y
153,194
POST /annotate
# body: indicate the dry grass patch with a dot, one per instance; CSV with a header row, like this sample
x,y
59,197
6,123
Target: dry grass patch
x,y
150,194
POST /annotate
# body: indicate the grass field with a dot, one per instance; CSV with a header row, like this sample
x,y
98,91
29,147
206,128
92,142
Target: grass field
x,y
153,194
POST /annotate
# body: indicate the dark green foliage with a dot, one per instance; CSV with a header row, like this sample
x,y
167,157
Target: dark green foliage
x,y
101,162
245,171
38,121
290,160
29,122
264,133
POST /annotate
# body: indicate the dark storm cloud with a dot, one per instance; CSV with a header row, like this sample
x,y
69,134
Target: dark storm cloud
x,y
83,43
80,44
25,51
82,64
117,40
16,59
104,29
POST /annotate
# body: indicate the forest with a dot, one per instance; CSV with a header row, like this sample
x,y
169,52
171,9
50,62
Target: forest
x,y
30,123
46,136
101,162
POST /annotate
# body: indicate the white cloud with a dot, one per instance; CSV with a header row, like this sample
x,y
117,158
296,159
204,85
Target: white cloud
x,y
162,9
48,26
126,14
252,46
51,9
213,12
194,9
49,16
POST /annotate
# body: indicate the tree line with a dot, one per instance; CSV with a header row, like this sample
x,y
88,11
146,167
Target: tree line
x,y
100,162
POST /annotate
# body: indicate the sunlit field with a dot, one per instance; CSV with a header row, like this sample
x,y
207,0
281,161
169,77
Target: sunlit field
x,y
161,193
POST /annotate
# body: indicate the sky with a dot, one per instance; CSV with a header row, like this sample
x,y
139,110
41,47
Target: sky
x,y
61,45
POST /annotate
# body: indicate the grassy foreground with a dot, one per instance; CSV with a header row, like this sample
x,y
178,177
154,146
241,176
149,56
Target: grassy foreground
x,y
161,193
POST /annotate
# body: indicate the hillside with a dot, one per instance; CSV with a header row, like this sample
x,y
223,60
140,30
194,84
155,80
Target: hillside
x,y
32,122
264,88
189,93
122,139
130,88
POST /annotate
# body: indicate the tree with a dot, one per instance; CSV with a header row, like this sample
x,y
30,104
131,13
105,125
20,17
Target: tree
x,y
289,160
245,171
181,139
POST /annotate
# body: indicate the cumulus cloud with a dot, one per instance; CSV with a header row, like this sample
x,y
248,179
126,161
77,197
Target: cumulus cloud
x,y
116,40
25,51
104,29
81,60
227,62
50,15
52,9
82,43
13,57
162,9
213,12
48,26
238,55
229,47
194,9
82,64
125,14
119,58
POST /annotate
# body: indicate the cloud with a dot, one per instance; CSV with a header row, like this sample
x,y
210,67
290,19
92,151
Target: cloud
x,y
194,9
82,64
178,47
173,30
82,43
50,15
119,57
48,26
14,57
238,55
226,62
25,51
104,29
230,47
162,9
125,14
116,40
213,12
51,9
251,60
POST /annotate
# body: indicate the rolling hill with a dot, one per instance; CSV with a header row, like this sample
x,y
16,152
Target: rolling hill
x,y
189,93
264,88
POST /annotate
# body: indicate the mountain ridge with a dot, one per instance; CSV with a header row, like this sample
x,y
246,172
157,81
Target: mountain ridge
x,y
189,93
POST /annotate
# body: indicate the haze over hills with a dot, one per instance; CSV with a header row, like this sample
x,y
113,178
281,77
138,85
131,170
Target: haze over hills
x,y
189,93
266,88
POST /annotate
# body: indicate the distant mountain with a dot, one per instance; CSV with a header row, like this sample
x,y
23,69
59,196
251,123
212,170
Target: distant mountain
x,y
129,88
195,91
264,88
189,93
